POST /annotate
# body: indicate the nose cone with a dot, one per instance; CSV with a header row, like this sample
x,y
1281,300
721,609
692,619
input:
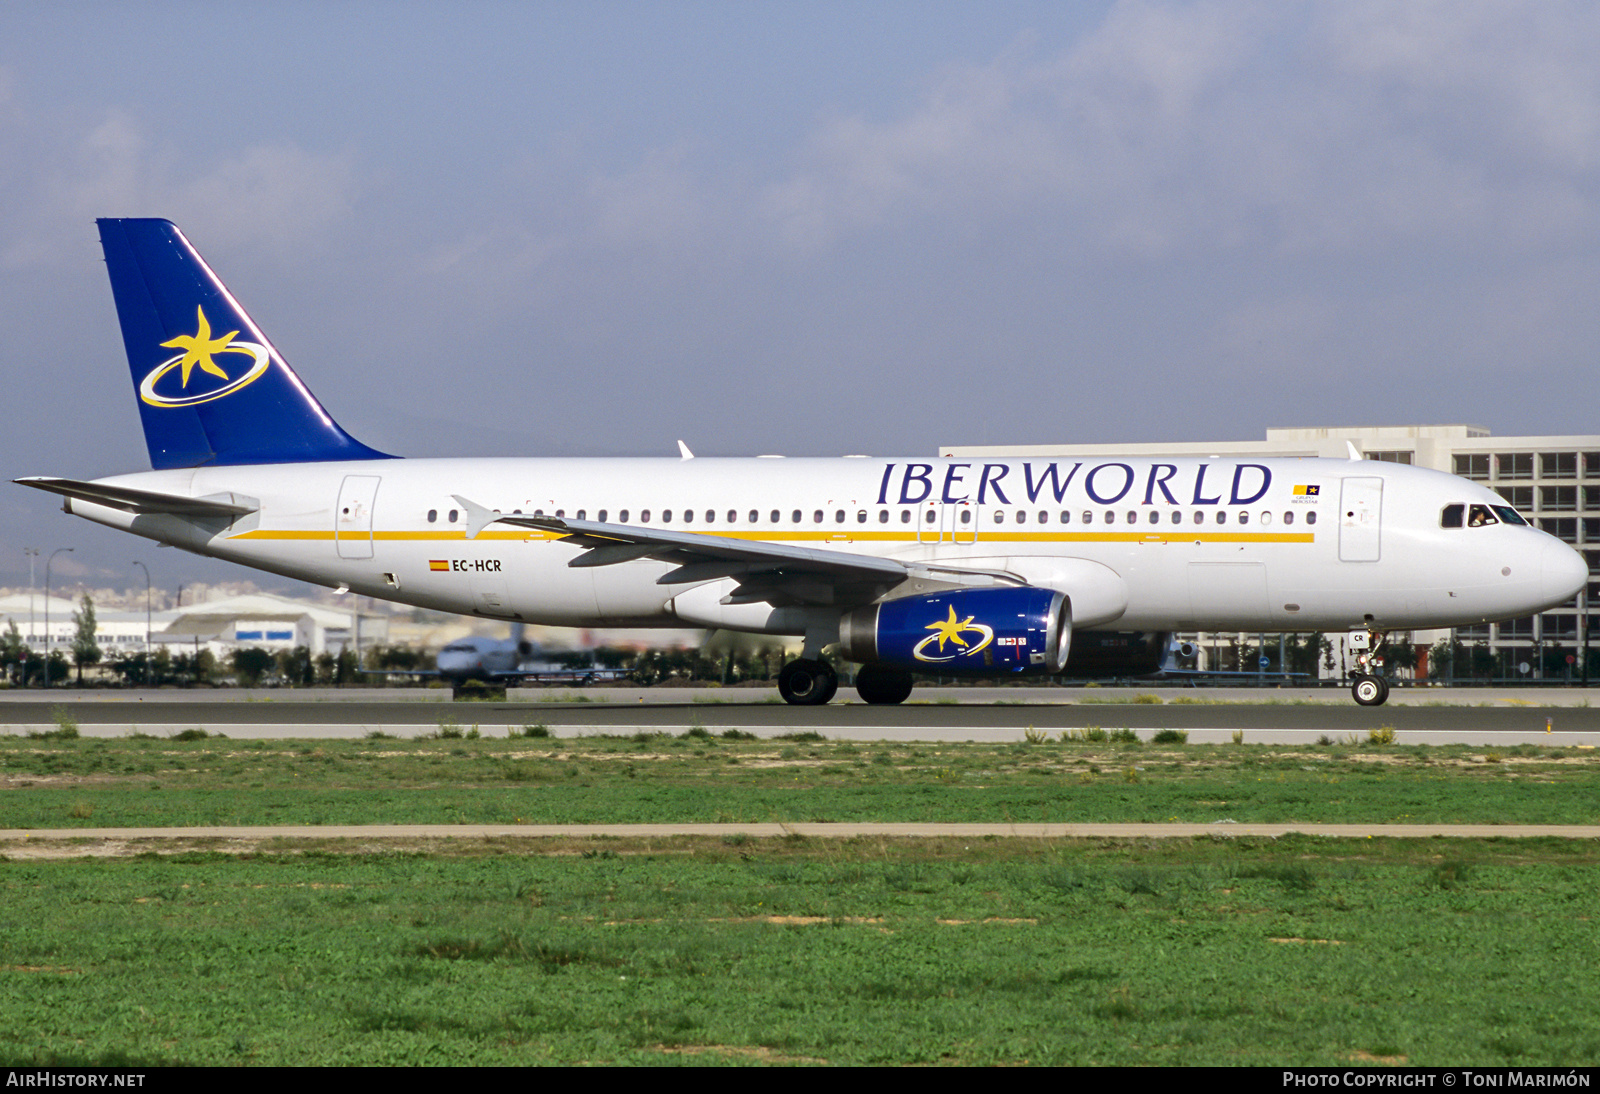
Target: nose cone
x,y
1562,572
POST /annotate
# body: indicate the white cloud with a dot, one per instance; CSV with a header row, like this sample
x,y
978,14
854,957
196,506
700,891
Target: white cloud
x,y
1292,127
277,198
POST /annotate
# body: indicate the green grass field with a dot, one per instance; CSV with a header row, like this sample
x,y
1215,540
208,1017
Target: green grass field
x,y
148,782
747,951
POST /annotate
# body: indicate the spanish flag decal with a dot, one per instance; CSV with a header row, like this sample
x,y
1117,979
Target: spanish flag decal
x,y
436,564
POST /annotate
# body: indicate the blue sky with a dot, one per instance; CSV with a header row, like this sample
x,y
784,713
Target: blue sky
x,y
567,229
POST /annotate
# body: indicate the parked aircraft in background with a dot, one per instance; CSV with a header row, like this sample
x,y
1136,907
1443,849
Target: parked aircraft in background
x,y
506,660
939,566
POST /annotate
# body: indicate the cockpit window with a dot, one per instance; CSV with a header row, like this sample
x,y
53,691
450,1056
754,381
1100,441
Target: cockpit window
x,y
1451,516
1479,516
1509,515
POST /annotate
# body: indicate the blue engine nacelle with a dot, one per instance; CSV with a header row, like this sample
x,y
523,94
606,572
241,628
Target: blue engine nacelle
x,y
967,632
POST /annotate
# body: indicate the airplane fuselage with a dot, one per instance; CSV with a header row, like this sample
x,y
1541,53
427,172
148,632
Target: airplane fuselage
x,y
1281,545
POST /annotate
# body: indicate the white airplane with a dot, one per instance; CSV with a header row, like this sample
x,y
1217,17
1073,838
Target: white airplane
x,y
941,566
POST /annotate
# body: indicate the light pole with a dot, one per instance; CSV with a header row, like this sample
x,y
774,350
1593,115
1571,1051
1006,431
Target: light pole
x,y
48,563
33,626
146,570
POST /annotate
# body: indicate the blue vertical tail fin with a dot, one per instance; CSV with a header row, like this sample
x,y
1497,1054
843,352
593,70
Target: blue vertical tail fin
x,y
212,390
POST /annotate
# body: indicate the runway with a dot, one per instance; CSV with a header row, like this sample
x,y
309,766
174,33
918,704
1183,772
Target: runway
x,y
1420,716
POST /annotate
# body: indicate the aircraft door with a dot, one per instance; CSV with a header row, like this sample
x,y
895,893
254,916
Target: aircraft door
x,y
1360,509
352,517
961,522
956,522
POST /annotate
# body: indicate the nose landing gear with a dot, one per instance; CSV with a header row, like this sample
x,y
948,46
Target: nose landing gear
x,y
1370,689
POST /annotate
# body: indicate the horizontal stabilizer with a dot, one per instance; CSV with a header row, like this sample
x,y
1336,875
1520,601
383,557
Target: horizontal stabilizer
x,y
130,500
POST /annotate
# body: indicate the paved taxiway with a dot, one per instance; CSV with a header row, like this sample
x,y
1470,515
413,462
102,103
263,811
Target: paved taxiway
x,y
1420,716
123,837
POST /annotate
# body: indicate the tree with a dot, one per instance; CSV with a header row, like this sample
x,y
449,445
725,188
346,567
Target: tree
x,y
84,649
13,651
250,664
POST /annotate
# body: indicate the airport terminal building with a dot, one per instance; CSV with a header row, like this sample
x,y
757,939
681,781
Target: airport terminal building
x,y
1553,481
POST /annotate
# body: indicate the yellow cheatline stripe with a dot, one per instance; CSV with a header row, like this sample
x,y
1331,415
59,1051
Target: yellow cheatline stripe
x,y
960,540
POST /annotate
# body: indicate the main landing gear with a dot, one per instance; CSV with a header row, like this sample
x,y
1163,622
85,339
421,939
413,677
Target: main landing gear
x,y
883,684
807,682
1370,689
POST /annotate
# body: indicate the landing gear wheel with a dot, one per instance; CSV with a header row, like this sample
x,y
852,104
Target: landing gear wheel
x,y
879,683
807,683
1370,691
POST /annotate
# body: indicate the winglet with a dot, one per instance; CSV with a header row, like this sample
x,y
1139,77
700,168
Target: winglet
x,y
1350,447
683,451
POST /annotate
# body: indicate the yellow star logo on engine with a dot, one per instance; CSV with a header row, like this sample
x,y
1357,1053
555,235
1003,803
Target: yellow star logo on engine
x,y
198,348
950,629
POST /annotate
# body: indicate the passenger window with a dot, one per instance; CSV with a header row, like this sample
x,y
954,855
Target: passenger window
x,y
1288,516
452,516
774,516
1266,517
999,517
1044,516
1177,517
666,516
883,516
838,516
433,516
1311,517
581,516
927,518
1199,517
1451,517
1111,517
1155,517
644,516
796,516
1133,517
816,517
905,516
1244,518
1066,516
861,516
1022,518
1088,516
622,517
560,513
966,516
1222,517
601,516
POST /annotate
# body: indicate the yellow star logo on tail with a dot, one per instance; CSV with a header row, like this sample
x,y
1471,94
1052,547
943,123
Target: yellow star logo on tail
x,y
199,346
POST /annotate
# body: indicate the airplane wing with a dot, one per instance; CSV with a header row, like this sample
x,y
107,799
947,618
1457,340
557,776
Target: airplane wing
x,y
129,500
772,572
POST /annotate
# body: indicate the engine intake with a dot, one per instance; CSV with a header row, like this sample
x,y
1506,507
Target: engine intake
x,y
968,632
